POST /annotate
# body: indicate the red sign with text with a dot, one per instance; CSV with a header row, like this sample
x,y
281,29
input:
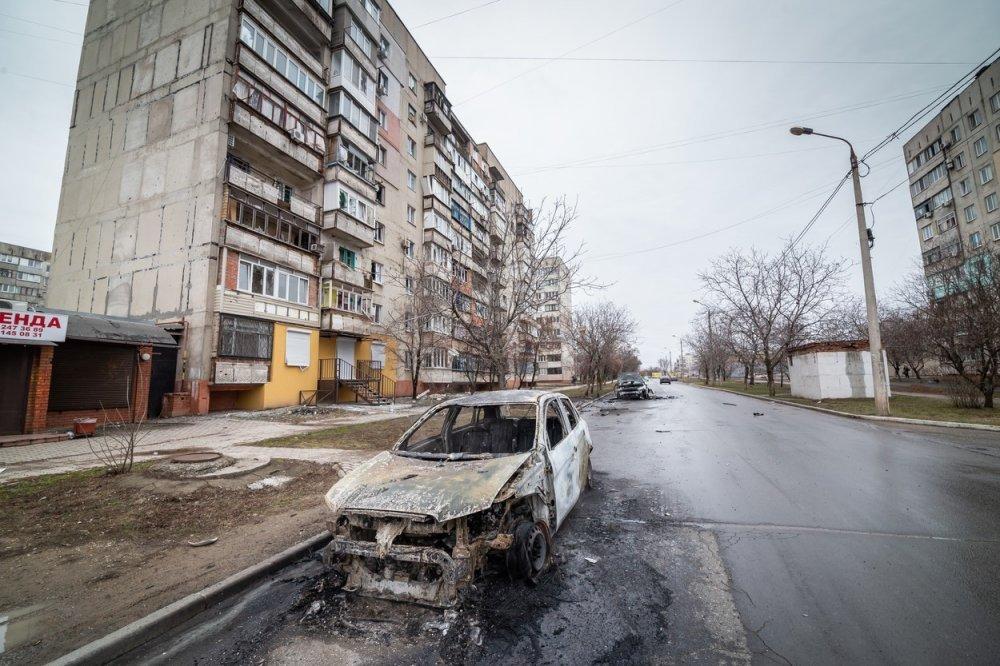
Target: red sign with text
x,y
17,326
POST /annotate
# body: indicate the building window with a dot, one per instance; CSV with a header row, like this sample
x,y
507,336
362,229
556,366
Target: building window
x,y
362,40
980,146
348,257
377,312
351,71
278,58
411,146
376,272
383,119
411,180
553,371
297,348
956,134
409,249
253,213
964,186
342,104
996,231
927,232
384,48
986,174
8,258
381,155
995,103
411,81
242,337
970,213
408,284
411,114
380,233
436,358
265,279
976,241
275,110
975,119
946,223
8,288
991,202
411,215
959,161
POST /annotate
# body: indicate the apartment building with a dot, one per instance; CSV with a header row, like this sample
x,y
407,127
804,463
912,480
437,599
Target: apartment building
x,y
953,163
252,174
555,354
24,275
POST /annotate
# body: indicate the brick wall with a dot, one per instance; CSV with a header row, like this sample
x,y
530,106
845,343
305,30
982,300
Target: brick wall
x,y
139,399
38,390
232,269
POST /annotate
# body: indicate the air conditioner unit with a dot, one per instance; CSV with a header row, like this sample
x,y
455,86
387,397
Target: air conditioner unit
x,y
405,244
950,164
232,141
316,247
297,135
927,214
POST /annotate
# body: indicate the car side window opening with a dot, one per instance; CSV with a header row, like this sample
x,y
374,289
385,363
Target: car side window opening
x,y
480,430
554,425
570,413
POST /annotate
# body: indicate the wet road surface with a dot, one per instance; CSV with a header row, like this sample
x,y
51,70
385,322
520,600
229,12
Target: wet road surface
x,y
711,536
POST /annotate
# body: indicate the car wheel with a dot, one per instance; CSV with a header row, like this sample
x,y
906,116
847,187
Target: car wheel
x,y
529,554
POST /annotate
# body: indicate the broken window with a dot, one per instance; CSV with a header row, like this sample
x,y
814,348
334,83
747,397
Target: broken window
x,y
482,430
555,427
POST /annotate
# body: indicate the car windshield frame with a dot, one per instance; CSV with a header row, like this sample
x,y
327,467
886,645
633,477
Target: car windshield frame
x,y
459,456
631,377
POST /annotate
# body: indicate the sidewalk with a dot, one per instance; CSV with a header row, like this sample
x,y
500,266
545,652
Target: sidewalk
x,y
230,433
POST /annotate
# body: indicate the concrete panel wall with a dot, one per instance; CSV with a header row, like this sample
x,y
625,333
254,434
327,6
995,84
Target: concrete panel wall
x,y
833,374
137,227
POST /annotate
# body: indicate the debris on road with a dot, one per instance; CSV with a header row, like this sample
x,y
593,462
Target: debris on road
x,y
592,560
729,404
758,413
276,481
662,431
203,542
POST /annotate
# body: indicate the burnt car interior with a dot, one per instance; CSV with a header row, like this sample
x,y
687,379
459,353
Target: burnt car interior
x,y
482,430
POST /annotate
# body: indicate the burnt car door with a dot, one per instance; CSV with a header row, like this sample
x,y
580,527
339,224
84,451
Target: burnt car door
x,y
563,451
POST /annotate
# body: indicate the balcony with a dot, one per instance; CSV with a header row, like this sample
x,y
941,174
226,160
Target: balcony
x,y
341,272
263,186
345,226
437,108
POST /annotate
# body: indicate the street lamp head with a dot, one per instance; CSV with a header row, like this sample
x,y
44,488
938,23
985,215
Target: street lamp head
x,y
799,131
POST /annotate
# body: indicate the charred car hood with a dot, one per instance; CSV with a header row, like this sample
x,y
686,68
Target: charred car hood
x,y
444,490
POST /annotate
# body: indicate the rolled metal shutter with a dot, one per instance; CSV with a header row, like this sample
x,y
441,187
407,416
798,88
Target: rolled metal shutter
x,y
91,375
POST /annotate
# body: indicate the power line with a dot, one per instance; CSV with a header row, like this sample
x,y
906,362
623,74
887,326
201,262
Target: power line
x,y
75,4
715,136
4,70
48,39
722,61
916,117
44,25
464,11
572,50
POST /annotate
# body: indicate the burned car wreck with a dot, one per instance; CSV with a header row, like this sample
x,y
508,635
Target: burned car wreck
x,y
482,478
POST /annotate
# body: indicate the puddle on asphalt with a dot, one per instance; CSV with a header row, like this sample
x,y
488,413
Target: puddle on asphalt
x,y
20,626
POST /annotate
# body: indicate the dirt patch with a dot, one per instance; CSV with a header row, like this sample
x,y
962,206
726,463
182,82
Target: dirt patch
x,y
90,553
303,415
372,435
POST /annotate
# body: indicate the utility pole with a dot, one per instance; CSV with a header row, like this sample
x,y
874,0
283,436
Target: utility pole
x,y
880,383
711,341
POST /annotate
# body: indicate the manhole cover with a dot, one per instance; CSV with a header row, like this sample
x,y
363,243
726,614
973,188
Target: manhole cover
x,y
202,456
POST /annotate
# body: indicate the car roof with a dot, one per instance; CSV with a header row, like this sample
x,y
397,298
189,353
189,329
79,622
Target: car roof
x,y
508,397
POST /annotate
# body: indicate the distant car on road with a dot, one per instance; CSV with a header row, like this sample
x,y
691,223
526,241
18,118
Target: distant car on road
x,y
665,379
632,385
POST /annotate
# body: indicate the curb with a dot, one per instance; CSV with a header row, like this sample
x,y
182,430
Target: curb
x,y
955,425
157,623
588,404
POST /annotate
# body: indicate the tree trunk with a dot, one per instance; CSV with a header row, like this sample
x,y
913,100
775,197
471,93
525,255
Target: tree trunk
x,y
988,397
769,370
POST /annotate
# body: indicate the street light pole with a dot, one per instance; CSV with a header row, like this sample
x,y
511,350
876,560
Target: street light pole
x,y
879,380
711,339
680,362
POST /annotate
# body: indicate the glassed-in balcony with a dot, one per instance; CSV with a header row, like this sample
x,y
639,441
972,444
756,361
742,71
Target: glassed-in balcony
x,y
267,188
437,108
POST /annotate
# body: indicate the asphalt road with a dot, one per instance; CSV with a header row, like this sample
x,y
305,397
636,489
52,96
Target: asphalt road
x,y
712,535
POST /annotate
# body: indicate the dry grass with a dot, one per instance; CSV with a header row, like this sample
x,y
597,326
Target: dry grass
x,y
372,436
903,406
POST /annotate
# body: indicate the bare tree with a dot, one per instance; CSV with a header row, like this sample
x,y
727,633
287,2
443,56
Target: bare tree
x,y
524,250
421,317
960,309
778,300
600,335
121,434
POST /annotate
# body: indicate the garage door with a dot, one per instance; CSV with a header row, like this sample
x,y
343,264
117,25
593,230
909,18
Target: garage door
x,y
91,375
15,364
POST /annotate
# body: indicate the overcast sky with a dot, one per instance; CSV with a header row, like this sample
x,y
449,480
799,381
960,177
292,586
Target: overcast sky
x,y
657,154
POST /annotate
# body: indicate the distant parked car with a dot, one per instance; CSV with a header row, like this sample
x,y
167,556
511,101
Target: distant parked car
x,y
632,385
665,379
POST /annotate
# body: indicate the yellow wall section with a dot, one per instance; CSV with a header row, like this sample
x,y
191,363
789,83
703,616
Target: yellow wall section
x,y
286,381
